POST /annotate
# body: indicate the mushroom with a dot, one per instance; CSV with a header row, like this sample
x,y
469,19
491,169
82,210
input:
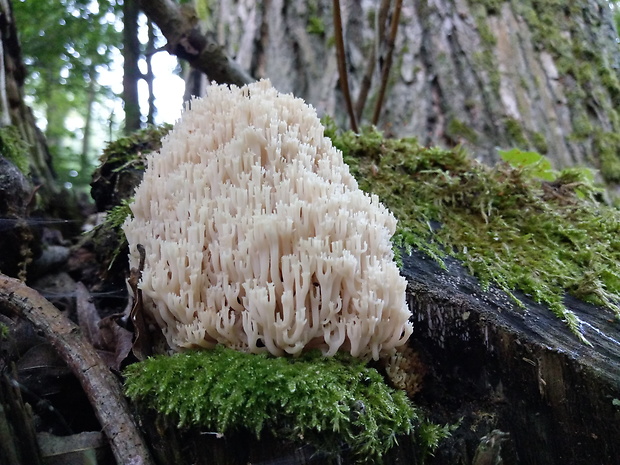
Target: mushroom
x,y
258,237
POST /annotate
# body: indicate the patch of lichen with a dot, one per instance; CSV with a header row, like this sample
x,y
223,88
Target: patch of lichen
x,y
509,228
333,403
14,148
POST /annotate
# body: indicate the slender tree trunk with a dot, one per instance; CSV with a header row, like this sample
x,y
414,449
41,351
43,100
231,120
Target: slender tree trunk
x,y
540,76
85,155
195,83
131,56
149,77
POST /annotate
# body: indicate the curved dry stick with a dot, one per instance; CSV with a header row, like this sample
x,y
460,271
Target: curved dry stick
x,y
342,65
388,61
101,387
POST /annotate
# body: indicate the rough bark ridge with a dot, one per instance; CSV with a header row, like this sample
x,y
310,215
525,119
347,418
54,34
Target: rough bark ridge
x,y
539,75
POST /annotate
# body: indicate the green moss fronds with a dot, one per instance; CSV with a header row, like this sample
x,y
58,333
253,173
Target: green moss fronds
x,y
14,148
131,148
509,227
329,402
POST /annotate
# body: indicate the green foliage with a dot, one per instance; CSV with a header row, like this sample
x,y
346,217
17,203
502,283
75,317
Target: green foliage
x,y
330,402
4,332
430,436
509,227
14,148
534,163
65,45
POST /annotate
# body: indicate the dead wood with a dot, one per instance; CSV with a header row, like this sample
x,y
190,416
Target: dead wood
x,y
186,41
101,387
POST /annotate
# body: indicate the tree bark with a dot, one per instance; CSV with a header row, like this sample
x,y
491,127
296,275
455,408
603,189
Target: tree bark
x,y
494,366
488,75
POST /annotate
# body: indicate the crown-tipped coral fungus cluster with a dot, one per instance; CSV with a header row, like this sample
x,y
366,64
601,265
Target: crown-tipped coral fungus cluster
x,y
257,237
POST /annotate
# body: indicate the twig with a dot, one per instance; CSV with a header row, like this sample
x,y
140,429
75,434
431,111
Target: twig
x,y
375,54
101,387
342,64
385,74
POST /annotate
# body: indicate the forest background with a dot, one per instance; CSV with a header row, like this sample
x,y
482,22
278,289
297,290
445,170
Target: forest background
x,y
95,70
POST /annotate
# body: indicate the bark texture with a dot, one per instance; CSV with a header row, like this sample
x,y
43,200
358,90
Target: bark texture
x,y
496,366
488,74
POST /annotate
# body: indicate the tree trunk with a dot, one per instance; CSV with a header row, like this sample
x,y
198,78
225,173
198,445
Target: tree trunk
x,y
85,162
131,72
540,76
13,111
149,77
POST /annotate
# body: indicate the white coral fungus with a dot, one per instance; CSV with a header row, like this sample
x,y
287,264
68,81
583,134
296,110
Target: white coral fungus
x,y
258,237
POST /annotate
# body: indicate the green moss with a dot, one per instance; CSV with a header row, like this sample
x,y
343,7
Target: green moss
x,y
129,150
492,7
607,146
14,148
595,83
111,227
325,401
4,332
509,228
515,132
457,129
315,25
540,142
485,60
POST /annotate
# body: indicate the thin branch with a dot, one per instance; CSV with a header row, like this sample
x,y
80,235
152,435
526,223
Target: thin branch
x,y
365,85
385,74
101,387
342,64
375,54
187,42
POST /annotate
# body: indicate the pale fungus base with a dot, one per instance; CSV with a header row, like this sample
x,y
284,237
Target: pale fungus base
x,y
257,237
